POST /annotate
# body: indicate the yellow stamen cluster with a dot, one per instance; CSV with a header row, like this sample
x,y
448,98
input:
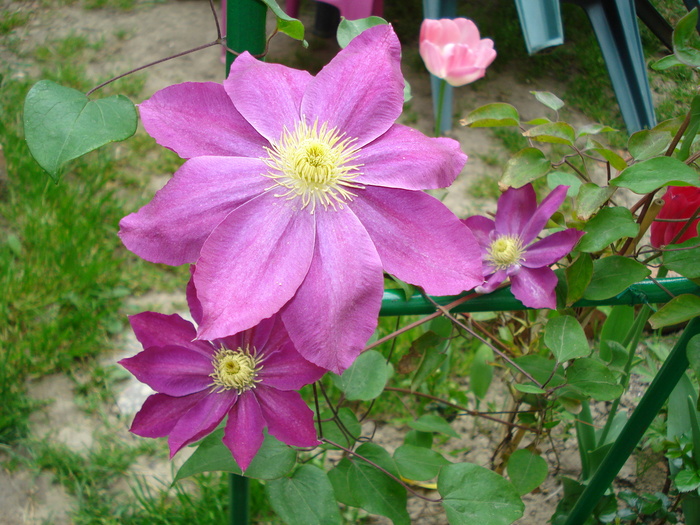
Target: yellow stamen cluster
x,y
505,251
315,165
235,369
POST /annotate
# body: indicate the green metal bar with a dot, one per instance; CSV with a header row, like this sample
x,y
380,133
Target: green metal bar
x,y
245,31
644,292
654,398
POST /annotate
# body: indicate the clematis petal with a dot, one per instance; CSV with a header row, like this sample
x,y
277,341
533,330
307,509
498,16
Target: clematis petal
x,y
360,92
534,287
252,264
427,246
515,207
154,329
198,119
244,429
334,311
171,369
285,369
405,158
481,227
538,220
552,248
201,419
173,226
493,281
287,416
160,413
275,107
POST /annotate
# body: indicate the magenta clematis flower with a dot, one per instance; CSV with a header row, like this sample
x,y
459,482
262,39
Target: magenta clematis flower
x,y
452,49
508,249
298,192
250,377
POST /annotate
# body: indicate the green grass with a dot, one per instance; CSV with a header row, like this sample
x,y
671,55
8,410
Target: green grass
x,y
11,20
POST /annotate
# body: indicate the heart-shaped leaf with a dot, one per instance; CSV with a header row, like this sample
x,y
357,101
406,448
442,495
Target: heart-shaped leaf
x,y
61,123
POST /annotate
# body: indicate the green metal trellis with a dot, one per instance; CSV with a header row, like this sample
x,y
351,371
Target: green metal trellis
x,y
246,32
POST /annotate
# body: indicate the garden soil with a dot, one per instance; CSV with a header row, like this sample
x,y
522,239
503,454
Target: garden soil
x,y
150,31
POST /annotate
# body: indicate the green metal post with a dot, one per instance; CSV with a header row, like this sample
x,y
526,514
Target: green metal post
x,y
245,31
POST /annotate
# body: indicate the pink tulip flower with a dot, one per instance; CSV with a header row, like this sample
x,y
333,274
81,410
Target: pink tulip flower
x,y
452,49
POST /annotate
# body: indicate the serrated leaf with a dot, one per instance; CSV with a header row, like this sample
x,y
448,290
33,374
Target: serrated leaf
x,y
612,275
433,423
609,225
349,29
273,460
525,166
648,143
564,336
474,494
492,115
685,260
590,198
305,498
578,276
62,124
649,175
554,132
593,378
526,470
678,310
366,377
549,99
682,39
418,463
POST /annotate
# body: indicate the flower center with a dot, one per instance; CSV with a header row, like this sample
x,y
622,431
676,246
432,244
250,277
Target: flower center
x,y
315,165
505,251
235,369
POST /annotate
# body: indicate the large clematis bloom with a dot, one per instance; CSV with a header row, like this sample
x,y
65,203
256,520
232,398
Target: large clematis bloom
x,y
680,203
509,251
298,192
250,377
452,49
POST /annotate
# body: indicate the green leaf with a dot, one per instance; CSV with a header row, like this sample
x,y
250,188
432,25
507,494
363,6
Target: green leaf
x,y
687,480
609,225
359,484
474,494
481,372
418,438
594,129
564,336
418,463
649,175
590,198
529,388
549,99
526,470
349,29
541,368
273,460
553,132
525,166
351,428
592,378
285,23
682,40
433,423
366,377
612,275
648,143
493,115
666,63
684,261
612,157
578,277
615,329
692,129
433,348
678,310
692,350
306,498
62,124
562,178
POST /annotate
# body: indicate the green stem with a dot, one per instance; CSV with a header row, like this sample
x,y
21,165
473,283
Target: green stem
x,y
585,433
438,112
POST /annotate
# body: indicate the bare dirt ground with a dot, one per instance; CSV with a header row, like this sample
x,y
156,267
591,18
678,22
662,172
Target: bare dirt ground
x,y
149,32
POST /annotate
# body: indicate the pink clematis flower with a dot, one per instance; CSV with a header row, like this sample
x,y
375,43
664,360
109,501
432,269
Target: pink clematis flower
x,y
509,251
251,377
680,202
452,49
298,192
